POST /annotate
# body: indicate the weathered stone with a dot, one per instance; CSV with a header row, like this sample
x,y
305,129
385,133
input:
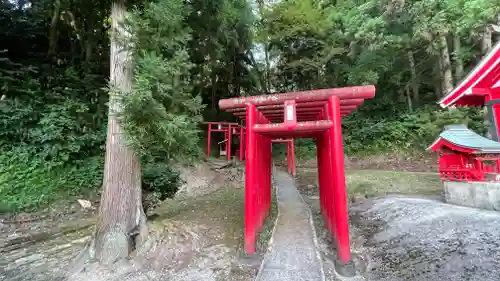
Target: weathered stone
x,y
482,195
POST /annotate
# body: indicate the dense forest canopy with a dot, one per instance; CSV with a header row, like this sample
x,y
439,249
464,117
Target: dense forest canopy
x,y
54,71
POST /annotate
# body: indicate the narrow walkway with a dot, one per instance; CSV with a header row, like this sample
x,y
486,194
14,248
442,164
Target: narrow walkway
x,y
292,253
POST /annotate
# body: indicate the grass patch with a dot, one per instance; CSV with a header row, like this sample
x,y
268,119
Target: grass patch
x,y
376,183
373,183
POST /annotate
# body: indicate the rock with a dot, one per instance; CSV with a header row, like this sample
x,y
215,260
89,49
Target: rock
x,y
85,204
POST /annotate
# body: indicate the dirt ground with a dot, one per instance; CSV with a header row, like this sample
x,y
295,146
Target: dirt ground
x,y
362,184
198,236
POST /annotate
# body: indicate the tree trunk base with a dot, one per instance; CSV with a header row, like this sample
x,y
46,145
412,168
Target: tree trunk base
x,y
113,249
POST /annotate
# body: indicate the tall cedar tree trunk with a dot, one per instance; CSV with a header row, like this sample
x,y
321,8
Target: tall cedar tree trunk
x,y
446,66
53,28
486,44
408,99
438,78
89,39
486,40
214,88
121,225
414,79
459,64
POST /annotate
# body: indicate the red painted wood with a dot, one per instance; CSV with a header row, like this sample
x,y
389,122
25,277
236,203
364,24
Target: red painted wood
x,y
339,191
250,182
478,76
313,114
457,163
359,92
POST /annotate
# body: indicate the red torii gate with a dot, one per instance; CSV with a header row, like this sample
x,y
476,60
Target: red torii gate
x,y
290,154
229,129
307,114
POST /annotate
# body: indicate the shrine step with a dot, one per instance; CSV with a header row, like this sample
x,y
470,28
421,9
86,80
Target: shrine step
x,y
293,251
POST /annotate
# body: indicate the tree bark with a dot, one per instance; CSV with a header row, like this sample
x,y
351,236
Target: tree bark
x,y
408,99
214,88
414,78
89,39
496,30
446,67
53,28
486,40
459,65
438,82
121,225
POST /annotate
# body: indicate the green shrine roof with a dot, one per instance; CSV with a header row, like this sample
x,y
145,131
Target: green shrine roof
x,y
460,135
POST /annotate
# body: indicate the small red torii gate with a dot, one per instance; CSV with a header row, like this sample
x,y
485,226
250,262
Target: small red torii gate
x,y
290,154
308,114
230,129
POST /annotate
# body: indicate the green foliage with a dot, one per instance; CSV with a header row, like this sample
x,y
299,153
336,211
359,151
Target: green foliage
x,y
53,105
408,132
160,179
27,183
161,115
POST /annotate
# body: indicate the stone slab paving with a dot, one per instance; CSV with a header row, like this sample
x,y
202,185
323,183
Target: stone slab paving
x,y
293,253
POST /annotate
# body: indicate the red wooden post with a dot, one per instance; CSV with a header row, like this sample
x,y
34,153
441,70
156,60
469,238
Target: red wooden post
x,y
321,173
325,171
339,190
292,152
242,143
328,184
265,172
288,158
259,177
209,139
269,174
228,143
250,184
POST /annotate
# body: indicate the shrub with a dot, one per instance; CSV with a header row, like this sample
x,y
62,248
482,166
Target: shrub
x,y
159,178
27,183
407,132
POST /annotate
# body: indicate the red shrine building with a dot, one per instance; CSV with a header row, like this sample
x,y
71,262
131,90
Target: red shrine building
x,y
463,154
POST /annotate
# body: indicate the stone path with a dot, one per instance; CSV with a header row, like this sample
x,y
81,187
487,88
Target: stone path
x,y
293,253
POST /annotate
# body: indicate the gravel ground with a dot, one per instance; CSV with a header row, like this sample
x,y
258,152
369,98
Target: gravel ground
x,y
401,230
